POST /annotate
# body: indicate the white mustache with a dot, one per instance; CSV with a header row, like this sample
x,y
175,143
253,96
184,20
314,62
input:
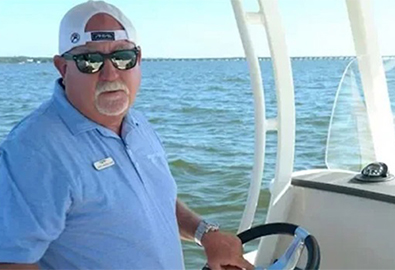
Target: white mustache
x,y
103,87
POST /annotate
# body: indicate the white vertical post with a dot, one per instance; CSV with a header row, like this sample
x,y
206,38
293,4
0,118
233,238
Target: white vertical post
x,y
282,72
259,110
373,80
280,200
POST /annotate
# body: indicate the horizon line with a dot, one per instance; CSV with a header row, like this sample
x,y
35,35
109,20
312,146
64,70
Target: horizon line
x,y
204,58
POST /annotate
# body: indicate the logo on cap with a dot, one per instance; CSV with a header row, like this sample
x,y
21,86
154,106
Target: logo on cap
x,y
75,37
97,36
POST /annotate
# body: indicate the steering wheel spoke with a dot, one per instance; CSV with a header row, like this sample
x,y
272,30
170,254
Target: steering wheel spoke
x,y
291,257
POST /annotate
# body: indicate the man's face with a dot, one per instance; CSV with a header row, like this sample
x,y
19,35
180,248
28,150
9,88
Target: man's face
x,y
109,92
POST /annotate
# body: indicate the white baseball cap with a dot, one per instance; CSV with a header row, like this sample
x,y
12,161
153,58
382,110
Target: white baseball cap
x,y
72,27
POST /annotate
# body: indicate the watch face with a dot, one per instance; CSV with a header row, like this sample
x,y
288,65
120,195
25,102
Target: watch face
x,y
204,227
211,227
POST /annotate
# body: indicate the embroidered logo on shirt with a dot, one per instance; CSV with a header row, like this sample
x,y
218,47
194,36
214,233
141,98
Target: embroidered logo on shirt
x,y
154,158
103,164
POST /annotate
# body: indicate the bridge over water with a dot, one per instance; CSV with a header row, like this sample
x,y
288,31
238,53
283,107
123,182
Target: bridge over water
x,y
304,58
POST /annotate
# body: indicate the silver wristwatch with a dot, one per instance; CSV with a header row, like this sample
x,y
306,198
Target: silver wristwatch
x,y
204,227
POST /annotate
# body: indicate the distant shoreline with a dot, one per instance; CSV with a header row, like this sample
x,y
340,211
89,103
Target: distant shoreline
x,y
27,59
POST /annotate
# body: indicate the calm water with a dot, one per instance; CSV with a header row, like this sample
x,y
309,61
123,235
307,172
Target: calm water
x,y
204,113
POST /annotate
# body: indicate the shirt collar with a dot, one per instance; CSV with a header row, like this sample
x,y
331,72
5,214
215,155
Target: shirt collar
x,y
76,121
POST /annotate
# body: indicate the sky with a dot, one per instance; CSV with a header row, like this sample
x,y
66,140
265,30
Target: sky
x,y
197,28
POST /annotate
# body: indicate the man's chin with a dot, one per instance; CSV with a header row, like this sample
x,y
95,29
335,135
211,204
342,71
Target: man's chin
x,y
112,110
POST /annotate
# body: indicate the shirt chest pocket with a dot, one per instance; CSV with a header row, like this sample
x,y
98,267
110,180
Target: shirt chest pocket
x,y
157,176
150,156
151,163
155,166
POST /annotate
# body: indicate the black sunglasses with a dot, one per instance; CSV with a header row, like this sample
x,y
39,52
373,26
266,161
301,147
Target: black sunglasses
x,y
90,63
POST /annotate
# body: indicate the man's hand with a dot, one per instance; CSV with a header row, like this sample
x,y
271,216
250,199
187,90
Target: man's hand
x,y
224,251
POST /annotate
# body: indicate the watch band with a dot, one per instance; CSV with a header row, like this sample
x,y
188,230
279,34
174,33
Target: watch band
x,y
203,228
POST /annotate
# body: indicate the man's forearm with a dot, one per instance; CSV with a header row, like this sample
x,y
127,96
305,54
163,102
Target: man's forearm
x,y
187,220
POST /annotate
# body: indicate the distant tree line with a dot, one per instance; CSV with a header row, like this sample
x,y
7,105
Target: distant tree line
x,y
25,59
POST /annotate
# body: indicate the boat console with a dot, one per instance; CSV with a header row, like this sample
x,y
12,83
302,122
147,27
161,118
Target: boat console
x,y
353,220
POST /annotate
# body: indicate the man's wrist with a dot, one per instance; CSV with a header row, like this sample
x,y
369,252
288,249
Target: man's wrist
x,y
203,228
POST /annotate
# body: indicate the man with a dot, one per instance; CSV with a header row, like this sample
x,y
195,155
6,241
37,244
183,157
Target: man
x,y
84,179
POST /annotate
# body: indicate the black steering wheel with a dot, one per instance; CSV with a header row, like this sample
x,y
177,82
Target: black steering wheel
x,y
291,256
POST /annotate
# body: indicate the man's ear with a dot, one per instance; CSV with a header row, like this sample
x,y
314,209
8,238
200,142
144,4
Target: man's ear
x,y
60,64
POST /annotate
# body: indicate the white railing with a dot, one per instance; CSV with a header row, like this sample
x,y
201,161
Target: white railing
x,y
373,80
269,17
259,110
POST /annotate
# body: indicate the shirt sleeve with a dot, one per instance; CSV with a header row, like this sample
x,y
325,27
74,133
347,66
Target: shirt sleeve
x,y
34,199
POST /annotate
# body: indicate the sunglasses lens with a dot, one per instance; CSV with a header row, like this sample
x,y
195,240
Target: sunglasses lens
x,y
89,62
124,59
92,62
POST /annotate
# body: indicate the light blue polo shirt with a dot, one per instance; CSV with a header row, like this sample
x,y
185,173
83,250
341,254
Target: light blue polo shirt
x,y
61,210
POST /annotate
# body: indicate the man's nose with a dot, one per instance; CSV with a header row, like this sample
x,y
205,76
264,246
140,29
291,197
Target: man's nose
x,y
109,72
